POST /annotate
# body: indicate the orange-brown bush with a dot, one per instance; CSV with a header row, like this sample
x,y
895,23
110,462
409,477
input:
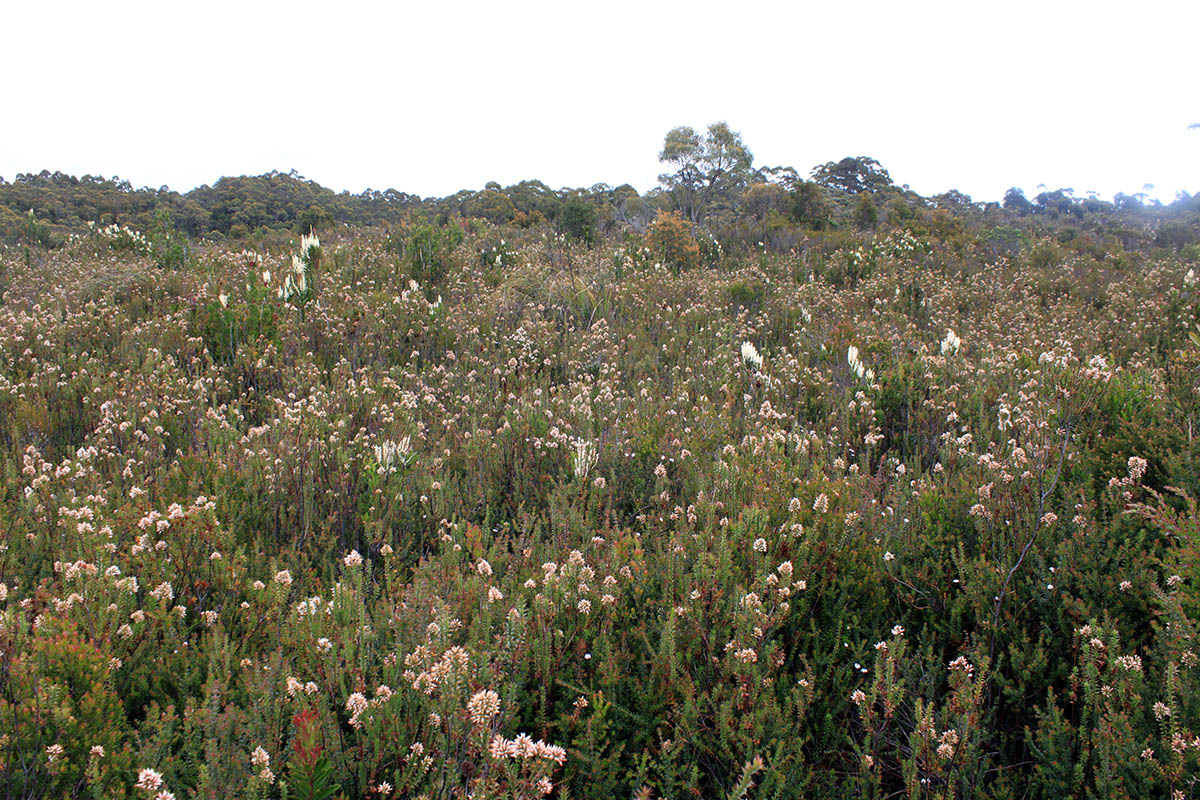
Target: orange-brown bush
x,y
671,240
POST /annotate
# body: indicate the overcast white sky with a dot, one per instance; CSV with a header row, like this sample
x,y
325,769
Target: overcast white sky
x,y
433,97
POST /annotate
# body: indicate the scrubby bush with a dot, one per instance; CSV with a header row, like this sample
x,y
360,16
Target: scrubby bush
x,y
578,219
672,242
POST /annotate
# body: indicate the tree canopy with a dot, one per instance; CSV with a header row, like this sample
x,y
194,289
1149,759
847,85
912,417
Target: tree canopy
x,y
853,174
707,168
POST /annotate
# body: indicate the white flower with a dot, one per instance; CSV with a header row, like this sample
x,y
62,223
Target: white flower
x,y
586,456
951,343
482,706
746,655
356,704
390,456
149,780
260,757
856,366
751,357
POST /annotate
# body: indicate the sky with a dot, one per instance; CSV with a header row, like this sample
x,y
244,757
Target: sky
x,y
433,97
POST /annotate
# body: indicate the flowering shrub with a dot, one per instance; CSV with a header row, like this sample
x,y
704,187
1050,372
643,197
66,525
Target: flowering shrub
x,y
869,525
124,239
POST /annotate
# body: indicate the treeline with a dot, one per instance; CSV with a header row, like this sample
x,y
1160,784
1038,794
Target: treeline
x,y
714,188
56,205
46,208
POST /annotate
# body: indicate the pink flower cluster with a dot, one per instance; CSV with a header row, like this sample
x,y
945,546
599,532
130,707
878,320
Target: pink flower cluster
x,y
525,747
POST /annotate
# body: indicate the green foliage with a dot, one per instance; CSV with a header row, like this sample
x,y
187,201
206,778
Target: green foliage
x,y
747,296
36,234
1044,255
1005,241
67,733
1015,200
427,250
866,213
229,322
168,247
232,206
491,205
853,175
808,206
497,256
708,168
578,219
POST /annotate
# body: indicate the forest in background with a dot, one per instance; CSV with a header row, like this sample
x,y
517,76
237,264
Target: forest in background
x,y
714,184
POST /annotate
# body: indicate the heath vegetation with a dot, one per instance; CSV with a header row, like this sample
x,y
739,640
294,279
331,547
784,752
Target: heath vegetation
x,y
750,487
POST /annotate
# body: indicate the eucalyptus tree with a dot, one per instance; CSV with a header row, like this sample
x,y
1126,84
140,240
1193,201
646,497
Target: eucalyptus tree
x,y
853,174
709,167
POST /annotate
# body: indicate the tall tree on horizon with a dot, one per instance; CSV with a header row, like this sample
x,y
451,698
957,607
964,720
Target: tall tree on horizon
x,y
706,167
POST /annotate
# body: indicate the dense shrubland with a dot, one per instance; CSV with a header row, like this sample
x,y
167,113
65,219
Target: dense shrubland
x,y
602,503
